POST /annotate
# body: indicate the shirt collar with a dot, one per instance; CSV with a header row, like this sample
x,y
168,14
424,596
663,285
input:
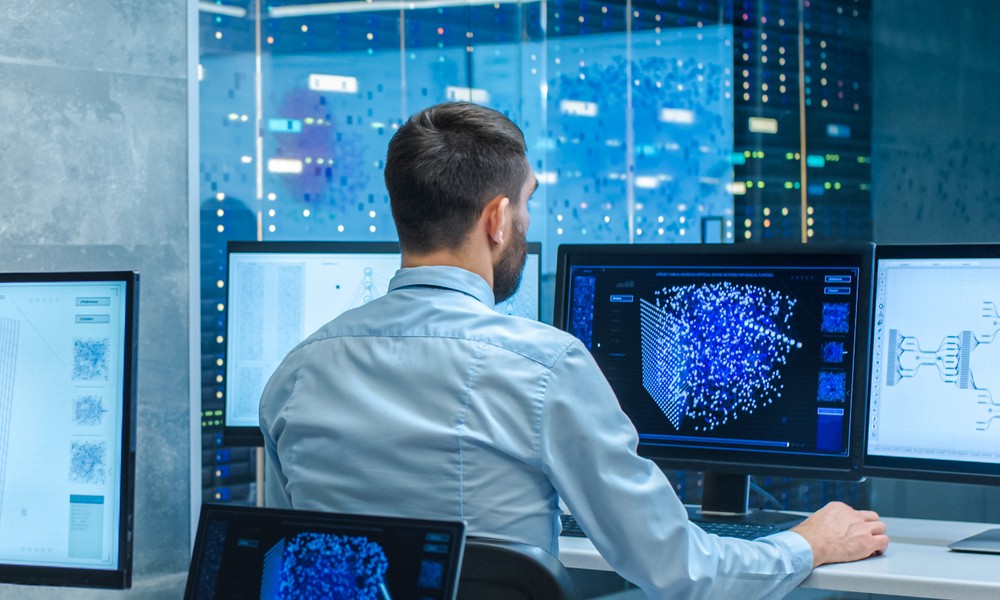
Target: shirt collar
x,y
452,278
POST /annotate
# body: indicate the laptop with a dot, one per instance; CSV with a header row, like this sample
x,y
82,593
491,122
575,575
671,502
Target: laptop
x,y
987,542
265,553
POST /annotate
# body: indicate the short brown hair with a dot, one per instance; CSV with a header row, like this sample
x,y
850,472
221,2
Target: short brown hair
x,y
444,165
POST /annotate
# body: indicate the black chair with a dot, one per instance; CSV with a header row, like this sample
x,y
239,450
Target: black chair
x,y
501,570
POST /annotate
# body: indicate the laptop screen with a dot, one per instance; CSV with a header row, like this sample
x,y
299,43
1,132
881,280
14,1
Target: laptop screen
x,y
264,553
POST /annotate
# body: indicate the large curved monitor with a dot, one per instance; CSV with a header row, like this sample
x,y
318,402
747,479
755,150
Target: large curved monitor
x,y
67,428
281,292
935,387
729,359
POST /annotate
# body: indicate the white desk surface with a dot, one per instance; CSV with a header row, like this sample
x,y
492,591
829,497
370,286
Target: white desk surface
x,y
917,563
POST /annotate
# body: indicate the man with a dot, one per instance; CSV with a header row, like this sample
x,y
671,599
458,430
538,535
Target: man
x,y
428,403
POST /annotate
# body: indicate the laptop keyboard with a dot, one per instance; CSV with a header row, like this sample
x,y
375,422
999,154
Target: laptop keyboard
x,y
746,531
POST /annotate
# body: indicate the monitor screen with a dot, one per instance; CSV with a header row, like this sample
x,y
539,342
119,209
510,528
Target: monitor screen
x,y
934,410
251,552
729,358
281,292
67,428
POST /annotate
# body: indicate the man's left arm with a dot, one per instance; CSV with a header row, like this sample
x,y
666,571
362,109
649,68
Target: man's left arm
x,y
629,509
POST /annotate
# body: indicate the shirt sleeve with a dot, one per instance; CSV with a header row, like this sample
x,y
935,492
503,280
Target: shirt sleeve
x,y
272,423
629,510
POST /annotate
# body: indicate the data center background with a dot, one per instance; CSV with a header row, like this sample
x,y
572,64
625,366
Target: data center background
x,y
94,159
646,121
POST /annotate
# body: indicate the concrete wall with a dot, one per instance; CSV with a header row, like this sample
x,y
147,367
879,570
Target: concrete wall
x,y
94,175
936,134
936,160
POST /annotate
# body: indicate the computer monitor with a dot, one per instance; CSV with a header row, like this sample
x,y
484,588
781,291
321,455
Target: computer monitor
x,y
733,359
934,409
67,427
251,552
281,292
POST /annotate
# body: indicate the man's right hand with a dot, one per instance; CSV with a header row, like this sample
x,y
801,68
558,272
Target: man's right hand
x,y
838,533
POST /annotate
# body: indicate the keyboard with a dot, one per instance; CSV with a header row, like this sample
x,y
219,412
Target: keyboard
x,y
570,527
745,531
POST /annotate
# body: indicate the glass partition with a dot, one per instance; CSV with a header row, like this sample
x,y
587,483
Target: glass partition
x,y
646,121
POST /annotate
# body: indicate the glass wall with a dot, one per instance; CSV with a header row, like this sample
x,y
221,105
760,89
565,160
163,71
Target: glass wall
x,y
628,111
646,121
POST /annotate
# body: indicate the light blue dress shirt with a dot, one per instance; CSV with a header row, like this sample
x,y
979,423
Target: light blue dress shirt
x,y
428,403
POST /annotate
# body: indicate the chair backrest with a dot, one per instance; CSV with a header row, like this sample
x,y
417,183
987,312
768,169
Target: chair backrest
x,y
501,570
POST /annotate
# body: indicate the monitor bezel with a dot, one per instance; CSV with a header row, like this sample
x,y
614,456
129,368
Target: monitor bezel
x,y
121,577
244,435
860,254
923,468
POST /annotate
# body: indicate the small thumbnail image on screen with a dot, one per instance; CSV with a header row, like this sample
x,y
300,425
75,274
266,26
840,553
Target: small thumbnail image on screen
x,y
88,410
88,462
431,574
324,565
833,352
836,317
832,386
90,359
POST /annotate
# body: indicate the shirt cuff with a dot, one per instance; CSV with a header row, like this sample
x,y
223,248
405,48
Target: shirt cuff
x,y
796,548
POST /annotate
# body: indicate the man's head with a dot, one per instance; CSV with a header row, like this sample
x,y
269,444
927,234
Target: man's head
x,y
453,167
444,165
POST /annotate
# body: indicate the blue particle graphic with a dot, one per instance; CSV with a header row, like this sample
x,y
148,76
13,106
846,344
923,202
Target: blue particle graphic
x,y
90,359
211,557
713,352
88,410
836,317
582,316
833,352
321,565
664,362
832,386
88,462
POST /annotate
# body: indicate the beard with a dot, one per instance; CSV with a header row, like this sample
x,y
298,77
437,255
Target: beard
x,y
508,269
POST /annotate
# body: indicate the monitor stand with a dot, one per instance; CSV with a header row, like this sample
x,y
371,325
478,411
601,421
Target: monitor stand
x,y
726,499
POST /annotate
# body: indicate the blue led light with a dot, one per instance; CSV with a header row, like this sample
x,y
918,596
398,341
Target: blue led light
x,y
284,125
815,161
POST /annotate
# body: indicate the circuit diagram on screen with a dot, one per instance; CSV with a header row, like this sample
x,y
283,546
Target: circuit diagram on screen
x,y
372,284
934,360
951,360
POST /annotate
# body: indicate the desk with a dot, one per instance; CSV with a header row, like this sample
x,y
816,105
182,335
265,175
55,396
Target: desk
x,y
917,564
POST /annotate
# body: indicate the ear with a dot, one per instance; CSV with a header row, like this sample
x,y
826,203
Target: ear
x,y
496,218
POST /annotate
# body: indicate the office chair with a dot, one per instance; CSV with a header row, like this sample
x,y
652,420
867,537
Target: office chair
x,y
501,570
